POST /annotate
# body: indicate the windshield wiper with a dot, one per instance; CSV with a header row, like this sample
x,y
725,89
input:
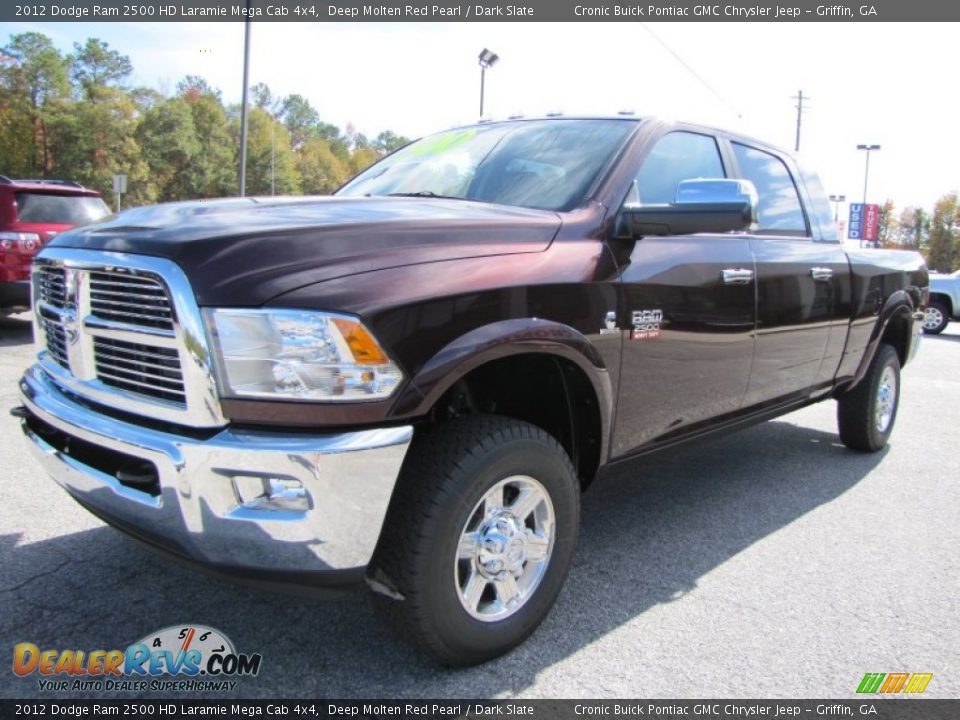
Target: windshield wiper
x,y
424,194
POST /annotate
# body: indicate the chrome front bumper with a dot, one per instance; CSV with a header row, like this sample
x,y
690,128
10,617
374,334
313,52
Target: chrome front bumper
x,y
265,502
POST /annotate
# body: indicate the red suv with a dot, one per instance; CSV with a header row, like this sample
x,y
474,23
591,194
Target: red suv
x,y
32,212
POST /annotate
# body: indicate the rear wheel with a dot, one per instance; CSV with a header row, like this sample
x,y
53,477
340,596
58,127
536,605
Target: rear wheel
x,y
866,414
935,318
479,537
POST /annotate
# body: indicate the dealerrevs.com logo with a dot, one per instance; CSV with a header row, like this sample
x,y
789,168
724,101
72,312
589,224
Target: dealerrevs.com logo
x,y
179,658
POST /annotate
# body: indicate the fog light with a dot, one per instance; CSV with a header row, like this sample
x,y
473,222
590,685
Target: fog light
x,y
270,494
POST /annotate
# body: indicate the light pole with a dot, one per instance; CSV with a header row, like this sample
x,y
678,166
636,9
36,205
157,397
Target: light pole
x,y
837,199
487,60
866,172
243,105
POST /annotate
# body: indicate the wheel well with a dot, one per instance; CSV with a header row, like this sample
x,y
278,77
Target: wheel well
x,y
943,298
544,390
897,334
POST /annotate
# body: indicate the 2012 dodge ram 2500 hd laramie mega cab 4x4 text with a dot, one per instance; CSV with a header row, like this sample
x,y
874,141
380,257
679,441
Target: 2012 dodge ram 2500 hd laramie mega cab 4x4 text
x,y
412,381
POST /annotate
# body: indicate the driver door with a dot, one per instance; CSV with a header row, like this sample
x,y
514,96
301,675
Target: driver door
x,y
687,308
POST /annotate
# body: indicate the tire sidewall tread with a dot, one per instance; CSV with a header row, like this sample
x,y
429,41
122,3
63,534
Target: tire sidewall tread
x,y
856,409
448,469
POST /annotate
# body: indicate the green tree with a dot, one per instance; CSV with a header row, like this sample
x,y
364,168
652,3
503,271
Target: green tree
x,y
910,228
193,86
269,155
942,251
339,143
263,98
361,158
299,117
95,67
213,172
34,90
168,141
97,140
886,225
388,141
321,170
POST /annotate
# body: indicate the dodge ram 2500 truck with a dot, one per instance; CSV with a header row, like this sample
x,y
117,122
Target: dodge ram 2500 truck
x,y
412,381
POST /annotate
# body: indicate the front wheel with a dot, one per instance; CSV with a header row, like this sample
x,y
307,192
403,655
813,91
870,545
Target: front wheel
x,y
479,537
866,414
935,318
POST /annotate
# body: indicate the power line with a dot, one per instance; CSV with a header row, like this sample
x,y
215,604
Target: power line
x,y
693,72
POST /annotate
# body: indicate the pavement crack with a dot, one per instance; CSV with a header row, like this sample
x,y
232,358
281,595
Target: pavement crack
x,y
36,577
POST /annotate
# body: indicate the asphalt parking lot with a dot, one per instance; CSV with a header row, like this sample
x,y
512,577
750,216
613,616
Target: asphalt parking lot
x,y
770,563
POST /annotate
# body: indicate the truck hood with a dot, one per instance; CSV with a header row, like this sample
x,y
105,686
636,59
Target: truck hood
x,y
245,251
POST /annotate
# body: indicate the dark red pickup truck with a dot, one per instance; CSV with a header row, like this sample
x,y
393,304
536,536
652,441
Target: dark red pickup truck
x,y
413,381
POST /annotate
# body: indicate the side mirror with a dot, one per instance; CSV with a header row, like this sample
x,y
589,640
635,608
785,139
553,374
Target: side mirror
x,y
700,206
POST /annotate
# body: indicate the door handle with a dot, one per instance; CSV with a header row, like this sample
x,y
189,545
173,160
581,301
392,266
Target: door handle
x,y
737,276
821,273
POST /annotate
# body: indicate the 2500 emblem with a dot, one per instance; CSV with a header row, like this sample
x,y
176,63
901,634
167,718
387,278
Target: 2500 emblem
x,y
646,324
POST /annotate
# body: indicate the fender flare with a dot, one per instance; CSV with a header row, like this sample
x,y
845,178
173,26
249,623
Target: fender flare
x,y
505,338
899,303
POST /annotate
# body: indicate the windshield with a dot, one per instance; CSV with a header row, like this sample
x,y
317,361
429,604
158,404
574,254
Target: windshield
x,y
60,209
546,164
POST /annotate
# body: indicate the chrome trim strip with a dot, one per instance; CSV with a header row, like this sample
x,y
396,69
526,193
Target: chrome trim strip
x,y
347,479
188,337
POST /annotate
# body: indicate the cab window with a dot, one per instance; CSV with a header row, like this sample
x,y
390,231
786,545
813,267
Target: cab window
x,y
676,156
779,211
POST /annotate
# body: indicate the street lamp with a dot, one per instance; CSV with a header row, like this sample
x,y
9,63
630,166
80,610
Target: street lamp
x,y
487,60
837,199
866,172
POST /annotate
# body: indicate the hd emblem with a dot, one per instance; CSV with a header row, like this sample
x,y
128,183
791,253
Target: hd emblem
x,y
646,324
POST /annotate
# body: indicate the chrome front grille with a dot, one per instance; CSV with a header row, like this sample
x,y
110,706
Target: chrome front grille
x,y
125,331
128,298
52,290
56,340
139,368
53,285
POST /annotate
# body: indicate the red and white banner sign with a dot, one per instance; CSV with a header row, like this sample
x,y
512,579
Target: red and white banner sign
x,y
871,219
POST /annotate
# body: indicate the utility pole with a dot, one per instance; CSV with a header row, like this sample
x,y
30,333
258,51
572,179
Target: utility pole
x,y
837,199
799,98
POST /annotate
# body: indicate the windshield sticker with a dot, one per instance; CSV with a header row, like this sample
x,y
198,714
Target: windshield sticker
x,y
442,142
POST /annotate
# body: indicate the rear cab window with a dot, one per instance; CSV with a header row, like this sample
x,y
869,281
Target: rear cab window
x,y
779,210
821,216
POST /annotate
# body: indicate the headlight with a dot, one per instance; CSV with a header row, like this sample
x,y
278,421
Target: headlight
x,y
299,354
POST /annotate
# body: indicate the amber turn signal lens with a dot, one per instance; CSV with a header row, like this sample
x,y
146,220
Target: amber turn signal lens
x,y
365,349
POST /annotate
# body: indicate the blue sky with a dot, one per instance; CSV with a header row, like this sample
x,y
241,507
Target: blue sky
x,y
889,84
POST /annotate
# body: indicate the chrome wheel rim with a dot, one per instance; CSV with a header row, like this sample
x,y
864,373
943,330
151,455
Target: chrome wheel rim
x,y
932,318
504,549
886,399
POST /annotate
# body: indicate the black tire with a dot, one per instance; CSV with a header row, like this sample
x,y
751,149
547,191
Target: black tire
x,y
862,427
936,318
448,471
